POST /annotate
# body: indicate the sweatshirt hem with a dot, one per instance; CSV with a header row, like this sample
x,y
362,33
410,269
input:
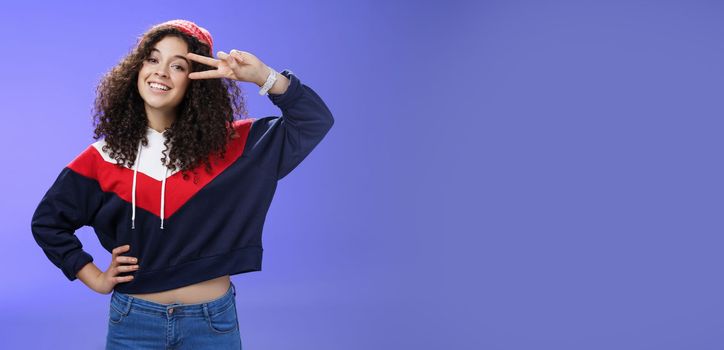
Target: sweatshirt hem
x,y
246,259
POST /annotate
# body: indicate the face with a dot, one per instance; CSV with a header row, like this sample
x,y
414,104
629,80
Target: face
x,y
167,66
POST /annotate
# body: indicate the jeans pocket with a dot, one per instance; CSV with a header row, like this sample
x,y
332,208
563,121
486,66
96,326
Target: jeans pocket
x,y
115,316
224,321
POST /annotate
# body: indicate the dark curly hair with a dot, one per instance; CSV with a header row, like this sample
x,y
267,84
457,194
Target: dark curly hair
x,y
203,124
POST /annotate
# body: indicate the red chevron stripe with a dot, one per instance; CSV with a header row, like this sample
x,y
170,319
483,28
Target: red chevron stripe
x,y
113,178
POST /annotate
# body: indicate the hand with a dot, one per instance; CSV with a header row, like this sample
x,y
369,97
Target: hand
x,y
107,280
238,65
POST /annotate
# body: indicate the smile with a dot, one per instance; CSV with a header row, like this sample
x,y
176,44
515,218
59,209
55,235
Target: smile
x,y
158,87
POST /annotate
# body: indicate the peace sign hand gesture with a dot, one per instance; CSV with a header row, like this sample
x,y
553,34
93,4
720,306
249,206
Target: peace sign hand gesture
x,y
238,65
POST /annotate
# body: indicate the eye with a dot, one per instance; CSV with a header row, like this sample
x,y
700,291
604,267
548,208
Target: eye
x,y
181,68
151,59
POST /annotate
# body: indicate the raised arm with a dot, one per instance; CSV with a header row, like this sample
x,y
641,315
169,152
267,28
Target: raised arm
x,y
282,142
278,144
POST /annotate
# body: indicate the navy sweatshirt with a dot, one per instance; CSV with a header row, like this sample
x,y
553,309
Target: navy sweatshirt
x,y
182,233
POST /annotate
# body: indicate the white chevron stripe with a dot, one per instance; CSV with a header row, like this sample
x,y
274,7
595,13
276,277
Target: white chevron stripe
x,y
151,155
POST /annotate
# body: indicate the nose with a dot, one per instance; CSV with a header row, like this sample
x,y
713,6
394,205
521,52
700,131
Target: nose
x,y
161,72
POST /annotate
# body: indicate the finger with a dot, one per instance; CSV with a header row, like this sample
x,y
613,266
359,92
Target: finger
x,y
126,259
123,279
237,54
117,252
207,74
237,60
203,59
130,267
222,54
231,61
120,249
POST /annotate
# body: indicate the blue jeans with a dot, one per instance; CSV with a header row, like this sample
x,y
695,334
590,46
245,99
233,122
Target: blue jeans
x,y
135,323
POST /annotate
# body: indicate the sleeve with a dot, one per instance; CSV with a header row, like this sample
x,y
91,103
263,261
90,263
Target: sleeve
x,y
283,142
70,203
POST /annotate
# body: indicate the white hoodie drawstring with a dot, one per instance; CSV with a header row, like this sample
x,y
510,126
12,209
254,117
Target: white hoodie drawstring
x,y
133,190
163,192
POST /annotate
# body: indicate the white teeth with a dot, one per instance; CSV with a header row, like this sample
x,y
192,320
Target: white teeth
x,y
159,86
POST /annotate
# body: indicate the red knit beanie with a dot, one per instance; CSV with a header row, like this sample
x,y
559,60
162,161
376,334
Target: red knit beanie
x,y
192,29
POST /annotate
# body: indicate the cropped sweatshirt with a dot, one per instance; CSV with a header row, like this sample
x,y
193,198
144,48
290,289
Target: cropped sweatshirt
x,y
181,232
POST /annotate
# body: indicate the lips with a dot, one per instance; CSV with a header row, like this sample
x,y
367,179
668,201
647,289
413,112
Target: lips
x,y
158,87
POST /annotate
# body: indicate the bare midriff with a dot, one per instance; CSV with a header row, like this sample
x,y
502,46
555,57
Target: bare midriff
x,y
192,294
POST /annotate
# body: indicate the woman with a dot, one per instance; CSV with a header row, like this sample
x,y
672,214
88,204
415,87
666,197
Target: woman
x,y
166,112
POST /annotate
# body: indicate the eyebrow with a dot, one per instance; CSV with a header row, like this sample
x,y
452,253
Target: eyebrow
x,y
178,56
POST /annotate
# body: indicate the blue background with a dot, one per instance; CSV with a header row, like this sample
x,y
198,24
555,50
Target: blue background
x,y
500,175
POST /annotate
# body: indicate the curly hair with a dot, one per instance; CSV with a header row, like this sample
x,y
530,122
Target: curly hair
x,y
203,125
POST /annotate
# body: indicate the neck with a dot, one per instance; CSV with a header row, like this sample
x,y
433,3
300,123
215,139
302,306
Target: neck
x,y
160,120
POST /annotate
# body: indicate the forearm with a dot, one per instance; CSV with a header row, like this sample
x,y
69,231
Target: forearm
x,y
89,275
304,122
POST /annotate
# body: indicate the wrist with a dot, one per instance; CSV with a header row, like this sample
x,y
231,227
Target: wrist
x,y
90,275
280,85
262,76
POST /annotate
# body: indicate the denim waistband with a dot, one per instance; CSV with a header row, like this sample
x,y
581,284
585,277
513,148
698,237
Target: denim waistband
x,y
124,302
